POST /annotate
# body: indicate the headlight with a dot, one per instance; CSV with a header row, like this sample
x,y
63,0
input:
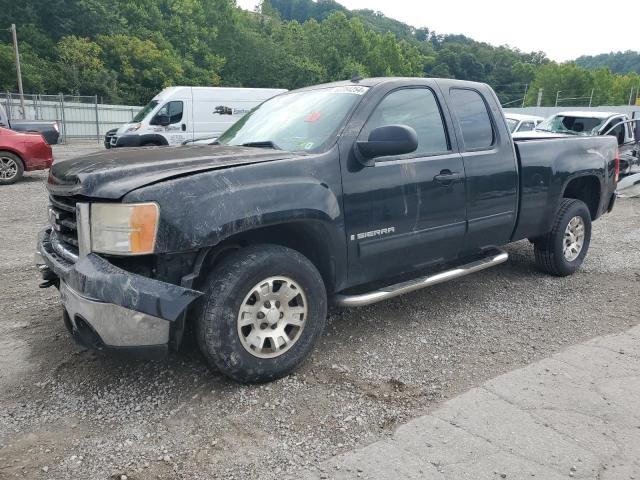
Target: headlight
x,y
133,128
124,228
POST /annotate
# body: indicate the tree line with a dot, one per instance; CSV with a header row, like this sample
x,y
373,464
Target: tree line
x,y
125,51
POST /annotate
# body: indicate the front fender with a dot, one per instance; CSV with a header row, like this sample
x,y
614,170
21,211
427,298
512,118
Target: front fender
x,y
204,209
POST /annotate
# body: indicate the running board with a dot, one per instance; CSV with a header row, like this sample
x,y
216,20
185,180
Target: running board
x,y
391,291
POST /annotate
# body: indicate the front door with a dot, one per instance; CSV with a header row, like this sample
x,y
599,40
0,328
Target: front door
x,y
406,211
179,114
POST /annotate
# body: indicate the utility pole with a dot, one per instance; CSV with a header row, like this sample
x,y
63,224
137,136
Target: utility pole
x,y
557,96
524,98
539,102
591,97
18,72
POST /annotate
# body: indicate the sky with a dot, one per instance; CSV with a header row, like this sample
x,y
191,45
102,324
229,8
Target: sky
x,y
563,30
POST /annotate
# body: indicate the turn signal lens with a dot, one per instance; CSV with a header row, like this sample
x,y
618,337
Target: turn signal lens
x,y
124,229
617,165
143,222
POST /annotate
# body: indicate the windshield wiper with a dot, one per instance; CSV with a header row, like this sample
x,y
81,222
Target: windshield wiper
x,y
262,144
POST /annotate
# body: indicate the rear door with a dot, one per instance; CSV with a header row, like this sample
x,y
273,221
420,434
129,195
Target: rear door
x,y
406,211
489,163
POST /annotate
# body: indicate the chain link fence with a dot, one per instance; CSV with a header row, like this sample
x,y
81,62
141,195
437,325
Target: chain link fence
x,y
78,117
519,95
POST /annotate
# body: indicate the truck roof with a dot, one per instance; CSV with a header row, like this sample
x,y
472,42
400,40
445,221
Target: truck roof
x,y
373,81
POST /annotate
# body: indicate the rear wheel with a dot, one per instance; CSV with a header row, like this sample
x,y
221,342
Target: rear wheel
x,y
11,168
264,309
561,251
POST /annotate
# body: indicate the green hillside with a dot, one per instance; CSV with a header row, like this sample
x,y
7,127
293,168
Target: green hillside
x,y
617,62
127,50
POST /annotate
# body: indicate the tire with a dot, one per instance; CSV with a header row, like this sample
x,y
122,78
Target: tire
x,y
11,168
550,252
234,284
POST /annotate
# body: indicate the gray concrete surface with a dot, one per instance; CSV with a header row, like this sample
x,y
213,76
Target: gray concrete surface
x,y
573,415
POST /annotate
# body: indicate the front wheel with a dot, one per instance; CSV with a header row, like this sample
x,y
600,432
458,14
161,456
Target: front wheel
x,y
561,251
265,307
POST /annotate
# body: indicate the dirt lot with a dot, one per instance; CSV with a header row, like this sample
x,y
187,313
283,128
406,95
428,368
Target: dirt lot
x,y
67,413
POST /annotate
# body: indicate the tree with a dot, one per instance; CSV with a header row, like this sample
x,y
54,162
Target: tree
x,y
80,58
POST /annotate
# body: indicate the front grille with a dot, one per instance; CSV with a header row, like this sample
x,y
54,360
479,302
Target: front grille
x,y
62,217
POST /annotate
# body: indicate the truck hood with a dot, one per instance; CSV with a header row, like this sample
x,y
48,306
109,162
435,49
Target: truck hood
x,y
114,173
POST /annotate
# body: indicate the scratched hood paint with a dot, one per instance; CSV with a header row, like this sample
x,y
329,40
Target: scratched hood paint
x,y
116,172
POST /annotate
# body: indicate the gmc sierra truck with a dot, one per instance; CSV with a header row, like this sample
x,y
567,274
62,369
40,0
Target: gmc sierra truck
x,y
351,192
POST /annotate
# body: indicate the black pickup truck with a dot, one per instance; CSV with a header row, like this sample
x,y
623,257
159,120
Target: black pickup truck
x,y
49,129
351,192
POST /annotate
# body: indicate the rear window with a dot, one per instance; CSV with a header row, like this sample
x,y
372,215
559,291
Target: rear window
x,y
512,124
572,125
527,127
474,119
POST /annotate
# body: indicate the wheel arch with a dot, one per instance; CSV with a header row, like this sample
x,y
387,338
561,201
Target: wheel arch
x,y
587,189
14,152
310,238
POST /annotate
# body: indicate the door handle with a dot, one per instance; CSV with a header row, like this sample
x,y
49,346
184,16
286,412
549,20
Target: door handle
x,y
184,127
447,177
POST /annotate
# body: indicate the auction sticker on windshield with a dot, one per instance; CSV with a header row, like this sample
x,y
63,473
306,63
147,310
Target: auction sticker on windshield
x,y
353,89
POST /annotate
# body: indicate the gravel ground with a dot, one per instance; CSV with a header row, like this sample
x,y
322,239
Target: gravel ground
x,y
68,413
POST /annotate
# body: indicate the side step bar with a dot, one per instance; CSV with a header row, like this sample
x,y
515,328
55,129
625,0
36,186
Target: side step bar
x,y
496,258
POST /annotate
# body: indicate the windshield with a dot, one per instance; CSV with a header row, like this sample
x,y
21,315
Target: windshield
x,y
297,121
145,111
512,124
572,125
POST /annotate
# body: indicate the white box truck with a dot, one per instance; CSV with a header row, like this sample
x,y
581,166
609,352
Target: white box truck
x,y
182,114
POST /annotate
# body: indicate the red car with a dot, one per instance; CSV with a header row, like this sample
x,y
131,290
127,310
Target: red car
x,y
20,152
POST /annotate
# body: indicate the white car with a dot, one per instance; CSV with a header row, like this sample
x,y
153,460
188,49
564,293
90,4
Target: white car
x,y
179,114
522,123
590,123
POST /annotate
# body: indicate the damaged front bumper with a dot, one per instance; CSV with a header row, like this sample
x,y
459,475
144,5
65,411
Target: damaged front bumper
x,y
110,309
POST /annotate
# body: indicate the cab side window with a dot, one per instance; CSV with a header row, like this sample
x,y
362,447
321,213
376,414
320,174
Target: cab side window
x,y
173,110
526,127
416,108
617,131
474,119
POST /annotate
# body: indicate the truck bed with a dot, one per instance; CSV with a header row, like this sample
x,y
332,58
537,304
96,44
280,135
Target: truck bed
x,y
546,165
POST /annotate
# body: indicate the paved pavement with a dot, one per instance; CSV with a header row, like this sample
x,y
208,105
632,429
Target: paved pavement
x,y
573,415
76,149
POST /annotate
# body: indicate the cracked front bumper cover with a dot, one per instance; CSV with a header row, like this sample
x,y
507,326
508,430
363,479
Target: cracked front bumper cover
x,y
122,309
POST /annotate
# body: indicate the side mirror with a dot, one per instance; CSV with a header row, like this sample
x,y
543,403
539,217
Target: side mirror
x,y
385,141
162,120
